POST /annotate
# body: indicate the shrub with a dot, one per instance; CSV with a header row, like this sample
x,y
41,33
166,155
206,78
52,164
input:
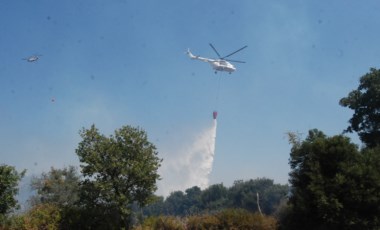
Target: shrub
x,y
243,219
162,222
44,216
202,222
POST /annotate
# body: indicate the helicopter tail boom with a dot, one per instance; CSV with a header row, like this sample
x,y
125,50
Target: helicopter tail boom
x,y
198,57
190,54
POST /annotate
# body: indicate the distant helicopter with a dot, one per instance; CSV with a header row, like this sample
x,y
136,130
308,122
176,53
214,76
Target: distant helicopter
x,y
221,64
32,58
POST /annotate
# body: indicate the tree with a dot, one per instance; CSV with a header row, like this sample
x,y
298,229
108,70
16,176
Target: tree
x,y
175,204
9,179
118,171
365,197
215,197
243,194
58,186
193,200
156,208
179,203
365,101
334,185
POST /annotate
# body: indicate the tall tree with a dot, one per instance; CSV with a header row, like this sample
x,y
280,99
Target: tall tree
x,y
365,101
118,170
334,185
9,179
58,186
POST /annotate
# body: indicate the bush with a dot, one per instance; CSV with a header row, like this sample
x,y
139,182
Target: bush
x,y
44,216
162,222
202,222
12,222
242,219
226,219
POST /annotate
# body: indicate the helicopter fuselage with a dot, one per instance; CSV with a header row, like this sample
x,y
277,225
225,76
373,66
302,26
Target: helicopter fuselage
x,y
222,65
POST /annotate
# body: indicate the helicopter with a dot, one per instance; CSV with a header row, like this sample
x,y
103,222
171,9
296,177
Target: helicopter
x,y
32,58
221,64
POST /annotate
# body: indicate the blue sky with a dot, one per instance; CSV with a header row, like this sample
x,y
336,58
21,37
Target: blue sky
x,y
114,63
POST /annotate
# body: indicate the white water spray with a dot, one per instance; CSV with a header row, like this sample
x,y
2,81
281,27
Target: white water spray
x,y
200,156
191,166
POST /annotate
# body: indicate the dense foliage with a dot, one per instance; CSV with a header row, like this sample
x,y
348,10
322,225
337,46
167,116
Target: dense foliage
x,y
117,171
242,194
58,186
334,185
225,219
365,101
9,179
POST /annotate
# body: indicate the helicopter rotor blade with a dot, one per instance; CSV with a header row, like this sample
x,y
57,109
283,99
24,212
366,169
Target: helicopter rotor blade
x,y
235,61
215,50
235,52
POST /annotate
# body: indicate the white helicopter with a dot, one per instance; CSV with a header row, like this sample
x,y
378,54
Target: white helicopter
x,y
221,64
32,58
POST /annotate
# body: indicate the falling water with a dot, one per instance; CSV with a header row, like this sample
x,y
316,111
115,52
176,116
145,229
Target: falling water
x,y
200,157
192,165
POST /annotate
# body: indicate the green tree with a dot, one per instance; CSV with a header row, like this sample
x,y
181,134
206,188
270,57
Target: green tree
x,y
156,208
364,197
193,200
175,204
334,185
58,186
9,179
365,101
243,194
215,197
118,171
